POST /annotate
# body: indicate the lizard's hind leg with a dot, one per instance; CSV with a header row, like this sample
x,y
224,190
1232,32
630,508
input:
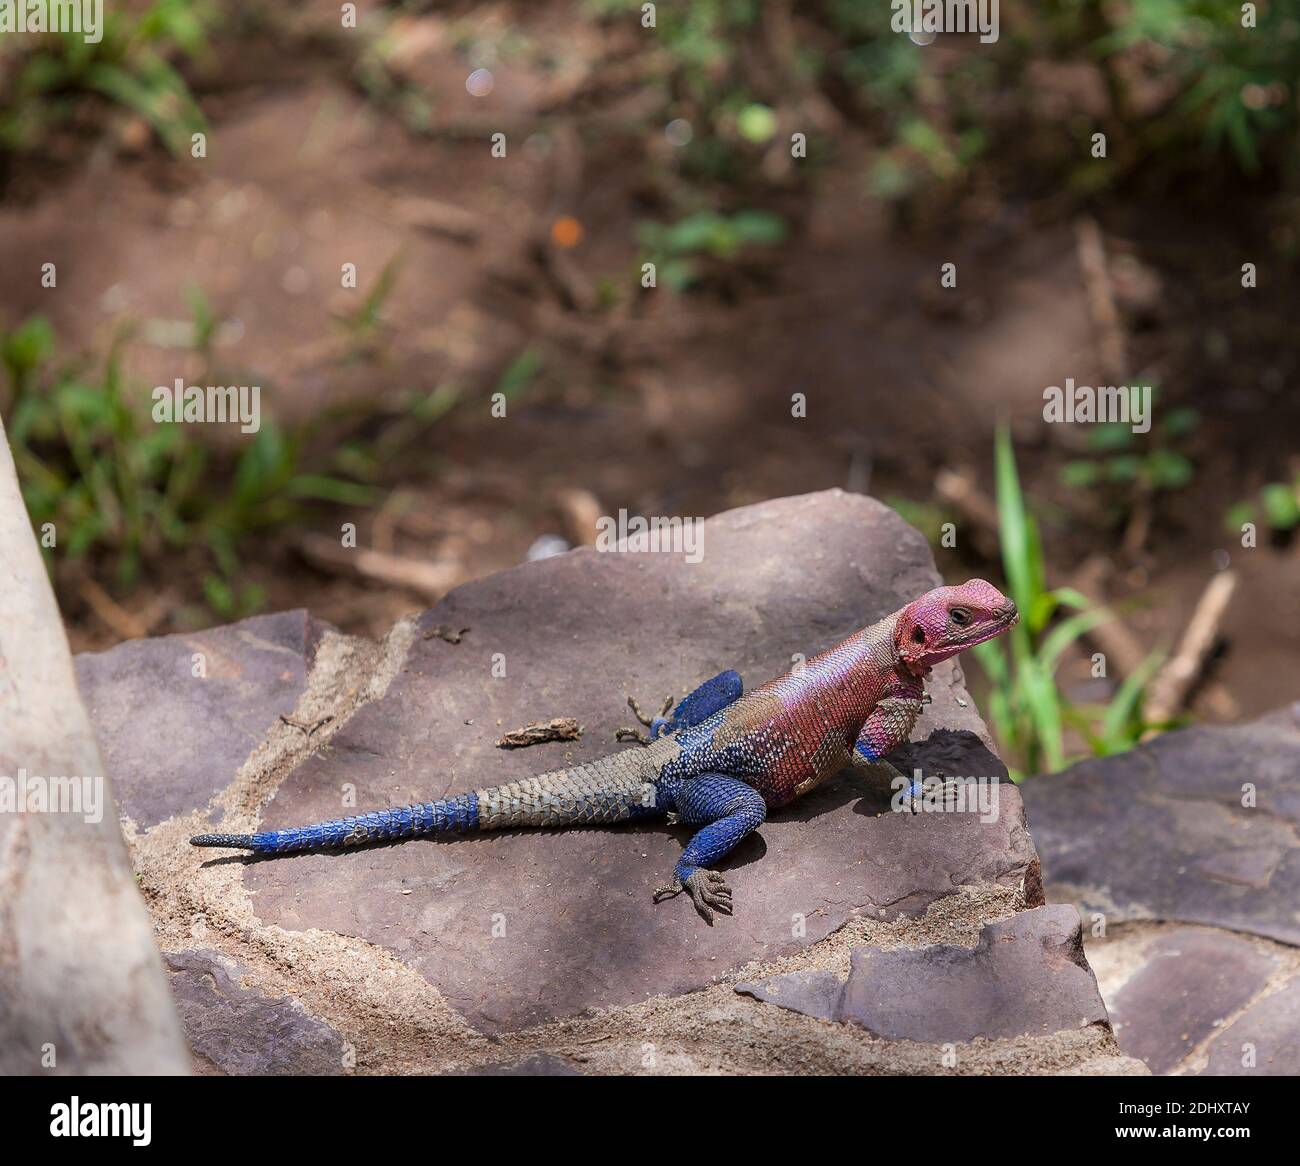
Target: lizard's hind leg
x,y
727,810
709,698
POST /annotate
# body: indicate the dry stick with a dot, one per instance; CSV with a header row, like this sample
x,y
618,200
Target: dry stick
x,y
1101,299
1113,637
112,613
1172,683
958,489
1113,348
539,732
440,218
582,511
432,580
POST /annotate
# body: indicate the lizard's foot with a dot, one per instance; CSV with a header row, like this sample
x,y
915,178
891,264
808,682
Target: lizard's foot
x,y
708,891
938,788
656,725
640,716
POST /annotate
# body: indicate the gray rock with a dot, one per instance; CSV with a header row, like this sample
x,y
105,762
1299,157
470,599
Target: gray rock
x,y
576,633
1026,977
172,739
1263,1041
1191,980
236,1030
1160,832
516,929
815,993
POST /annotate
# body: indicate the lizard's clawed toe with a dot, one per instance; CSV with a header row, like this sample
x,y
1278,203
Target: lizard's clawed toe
x,y
709,892
667,891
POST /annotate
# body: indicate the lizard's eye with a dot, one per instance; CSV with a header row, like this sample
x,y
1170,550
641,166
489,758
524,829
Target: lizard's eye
x,y
960,616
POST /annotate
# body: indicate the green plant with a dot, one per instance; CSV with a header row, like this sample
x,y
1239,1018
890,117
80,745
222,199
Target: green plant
x,y
1126,467
118,487
365,325
1279,506
130,66
1234,84
676,249
1028,711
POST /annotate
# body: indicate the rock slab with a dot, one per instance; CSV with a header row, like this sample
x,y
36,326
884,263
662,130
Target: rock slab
x,y
192,707
1192,979
1195,836
236,1030
518,929
1161,832
1027,976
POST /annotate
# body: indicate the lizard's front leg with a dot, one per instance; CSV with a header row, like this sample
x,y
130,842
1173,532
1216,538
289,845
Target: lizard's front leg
x,y
727,810
888,726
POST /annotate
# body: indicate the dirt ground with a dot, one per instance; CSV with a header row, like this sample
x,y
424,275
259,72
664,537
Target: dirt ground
x,y
665,403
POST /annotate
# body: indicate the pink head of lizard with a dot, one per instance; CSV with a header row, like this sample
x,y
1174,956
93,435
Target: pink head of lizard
x,y
948,620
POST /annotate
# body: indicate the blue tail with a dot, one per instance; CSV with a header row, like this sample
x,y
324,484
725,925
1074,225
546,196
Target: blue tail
x,y
458,813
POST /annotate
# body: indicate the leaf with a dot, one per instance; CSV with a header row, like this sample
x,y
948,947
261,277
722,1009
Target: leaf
x,y
1281,507
1124,468
27,347
1013,525
1237,516
1167,470
756,123
219,594
1124,704
1044,705
323,488
1080,475
1180,422
1110,436
519,375
760,227
1067,632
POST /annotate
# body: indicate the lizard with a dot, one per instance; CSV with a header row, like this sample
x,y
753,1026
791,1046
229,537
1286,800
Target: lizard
x,y
723,758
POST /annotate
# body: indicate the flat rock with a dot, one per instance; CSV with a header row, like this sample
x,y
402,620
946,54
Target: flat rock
x,y
517,929
1026,977
815,993
520,928
1263,1041
1192,979
1160,832
237,1030
173,732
